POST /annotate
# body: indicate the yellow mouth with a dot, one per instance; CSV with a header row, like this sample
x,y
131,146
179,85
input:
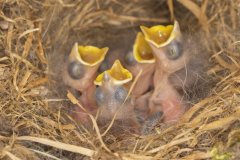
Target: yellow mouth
x,y
161,35
118,75
142,52
88,55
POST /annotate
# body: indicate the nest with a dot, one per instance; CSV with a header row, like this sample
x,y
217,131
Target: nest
x,y
35,37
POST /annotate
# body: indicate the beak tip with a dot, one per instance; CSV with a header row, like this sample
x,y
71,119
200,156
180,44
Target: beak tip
x,y
106,77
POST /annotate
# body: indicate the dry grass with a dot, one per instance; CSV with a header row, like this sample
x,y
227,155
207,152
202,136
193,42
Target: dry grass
x,y
35,35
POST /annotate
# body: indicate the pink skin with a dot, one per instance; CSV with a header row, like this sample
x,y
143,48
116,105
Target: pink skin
x,y
140,93
165,98
87,88
87,100
145,79
141,108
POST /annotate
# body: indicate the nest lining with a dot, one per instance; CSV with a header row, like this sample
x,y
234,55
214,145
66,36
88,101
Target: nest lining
x,y
34,35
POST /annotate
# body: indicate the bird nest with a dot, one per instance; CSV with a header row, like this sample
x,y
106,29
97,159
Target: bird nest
x,y
35,38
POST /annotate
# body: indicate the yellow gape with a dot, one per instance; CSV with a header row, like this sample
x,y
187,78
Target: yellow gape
x,y
118,75
142,52
160,35
88,55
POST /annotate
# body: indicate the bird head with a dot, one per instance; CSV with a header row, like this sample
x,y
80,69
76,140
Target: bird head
x,y
167,45
82,65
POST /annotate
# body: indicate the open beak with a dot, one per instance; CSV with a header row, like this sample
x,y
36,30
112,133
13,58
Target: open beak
x,y
88,55
142,52
117,74
160,35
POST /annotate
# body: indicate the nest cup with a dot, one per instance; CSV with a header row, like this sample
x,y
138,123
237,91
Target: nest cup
x,y
38,36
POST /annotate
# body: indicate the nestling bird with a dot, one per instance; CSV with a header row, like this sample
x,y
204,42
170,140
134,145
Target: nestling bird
x,y
111,96
79,72
167,45
141,59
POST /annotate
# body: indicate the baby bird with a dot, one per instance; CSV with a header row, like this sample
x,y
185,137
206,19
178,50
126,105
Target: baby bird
x,y
141,61
167,45
111,96
79,73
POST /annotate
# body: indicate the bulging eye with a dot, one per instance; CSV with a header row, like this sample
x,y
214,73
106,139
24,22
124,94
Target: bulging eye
x,y
100,96
120,94
174,50
76,70
129,59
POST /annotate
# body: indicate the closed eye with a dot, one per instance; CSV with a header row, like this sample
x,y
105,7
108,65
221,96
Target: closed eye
x,y
174,50
120,94
100,96
75,70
